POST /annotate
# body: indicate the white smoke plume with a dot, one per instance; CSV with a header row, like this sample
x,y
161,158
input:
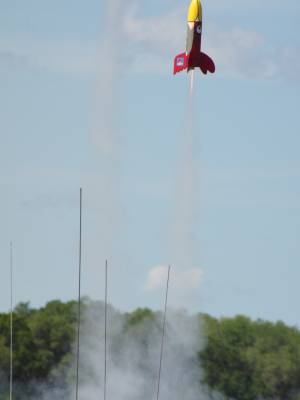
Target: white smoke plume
x,y
108,68
133,356
103,188
185,211
182,280
134,351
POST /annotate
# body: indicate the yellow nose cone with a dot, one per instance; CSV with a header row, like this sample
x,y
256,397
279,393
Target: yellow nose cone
x,y
195,11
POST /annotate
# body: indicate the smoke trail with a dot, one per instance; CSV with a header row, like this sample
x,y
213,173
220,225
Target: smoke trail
x,y
104,186
109,67
185,212
192,73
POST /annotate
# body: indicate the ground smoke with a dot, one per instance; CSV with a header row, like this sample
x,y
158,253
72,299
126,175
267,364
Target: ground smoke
x,y
133,352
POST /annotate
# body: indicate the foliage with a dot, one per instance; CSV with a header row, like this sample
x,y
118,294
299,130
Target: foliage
x,y
242,359
248,360
42,341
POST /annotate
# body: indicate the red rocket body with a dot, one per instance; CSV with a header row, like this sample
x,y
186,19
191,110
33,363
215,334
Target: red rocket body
x,y
195,58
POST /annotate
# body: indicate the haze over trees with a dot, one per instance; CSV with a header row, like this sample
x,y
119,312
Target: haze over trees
x,y
241,359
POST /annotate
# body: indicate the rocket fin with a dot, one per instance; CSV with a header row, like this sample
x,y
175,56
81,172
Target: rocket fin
x,y
203,61
206,64
180,63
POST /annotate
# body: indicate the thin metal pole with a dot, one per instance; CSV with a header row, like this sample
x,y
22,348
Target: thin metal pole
x,y
11,322
163,336
79,294
105,335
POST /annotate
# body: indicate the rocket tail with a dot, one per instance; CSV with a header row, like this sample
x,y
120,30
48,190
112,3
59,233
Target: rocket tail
x,y
206,64
203,61
200,60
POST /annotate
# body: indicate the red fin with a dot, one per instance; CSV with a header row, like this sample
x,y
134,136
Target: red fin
x,y
180,63
206,64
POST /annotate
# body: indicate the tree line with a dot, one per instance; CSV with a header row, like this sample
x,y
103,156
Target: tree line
x,y
242,359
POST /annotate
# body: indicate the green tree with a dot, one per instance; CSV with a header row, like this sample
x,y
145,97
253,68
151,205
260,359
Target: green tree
x,y
248,360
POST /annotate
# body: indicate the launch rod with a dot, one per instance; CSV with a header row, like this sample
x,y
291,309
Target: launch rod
x,y
105,335
11,323
163,336
79,293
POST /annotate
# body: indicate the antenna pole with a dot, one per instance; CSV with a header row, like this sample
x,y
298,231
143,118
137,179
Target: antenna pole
x,y
11,322
163,336
79,293
105,334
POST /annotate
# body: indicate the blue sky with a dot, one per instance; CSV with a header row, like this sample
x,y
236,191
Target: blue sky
x,y
89,100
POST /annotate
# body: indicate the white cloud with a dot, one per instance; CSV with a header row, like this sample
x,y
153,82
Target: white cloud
x,y
238,52
150,44
66,56
180,280
246,4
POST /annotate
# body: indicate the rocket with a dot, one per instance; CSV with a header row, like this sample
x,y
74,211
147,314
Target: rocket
x,y
193,56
